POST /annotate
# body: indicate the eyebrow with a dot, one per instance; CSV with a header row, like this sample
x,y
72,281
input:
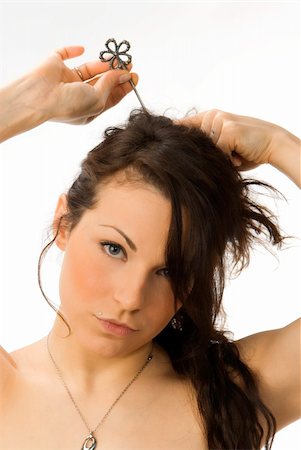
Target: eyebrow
x,y
128,240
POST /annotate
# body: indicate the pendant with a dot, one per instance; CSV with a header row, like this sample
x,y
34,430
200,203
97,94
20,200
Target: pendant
x,y
90,443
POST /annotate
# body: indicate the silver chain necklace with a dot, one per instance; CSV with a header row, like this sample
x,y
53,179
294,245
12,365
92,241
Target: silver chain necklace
x,y
90,442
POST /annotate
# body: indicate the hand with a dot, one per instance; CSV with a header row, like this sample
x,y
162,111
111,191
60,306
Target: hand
x,y
248,141
66,98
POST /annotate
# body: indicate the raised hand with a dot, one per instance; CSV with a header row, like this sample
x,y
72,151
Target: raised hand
x,y
52,91
248,141
68,98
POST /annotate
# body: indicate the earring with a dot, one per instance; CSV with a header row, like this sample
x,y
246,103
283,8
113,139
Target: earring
x,y
177,323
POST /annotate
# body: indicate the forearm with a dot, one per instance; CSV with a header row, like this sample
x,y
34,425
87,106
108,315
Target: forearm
x,y
286,156
21,107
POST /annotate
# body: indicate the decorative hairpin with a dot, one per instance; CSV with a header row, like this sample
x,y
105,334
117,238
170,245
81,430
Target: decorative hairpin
x,y
118,58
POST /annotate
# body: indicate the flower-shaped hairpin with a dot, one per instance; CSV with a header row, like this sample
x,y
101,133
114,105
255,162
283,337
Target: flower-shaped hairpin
x,y
115,55
118,58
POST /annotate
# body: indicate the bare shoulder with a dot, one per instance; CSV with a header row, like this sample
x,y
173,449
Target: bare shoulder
x,y
14,364
162,406
7,373
274,356
30,358
6,361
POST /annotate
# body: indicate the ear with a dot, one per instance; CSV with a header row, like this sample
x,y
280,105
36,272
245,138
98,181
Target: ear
x,y
60,210
178,305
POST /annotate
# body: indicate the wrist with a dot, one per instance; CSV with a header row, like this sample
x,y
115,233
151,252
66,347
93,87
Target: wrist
x,y
21,107
286,155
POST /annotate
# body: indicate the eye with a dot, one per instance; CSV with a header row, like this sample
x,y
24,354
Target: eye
x,y
164,272
114,250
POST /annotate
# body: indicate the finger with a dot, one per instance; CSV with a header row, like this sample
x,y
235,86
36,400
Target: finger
x,y
111,89
211,122
236,160
191,121
211,125
214,125
135,78
92,69
69,52
111,79
224,140
207,121
94,80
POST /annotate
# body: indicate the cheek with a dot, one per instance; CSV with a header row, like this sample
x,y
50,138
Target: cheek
x,y
161,309
83,275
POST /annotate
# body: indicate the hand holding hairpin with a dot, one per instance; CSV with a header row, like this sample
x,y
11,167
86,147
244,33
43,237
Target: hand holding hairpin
x,y
118,58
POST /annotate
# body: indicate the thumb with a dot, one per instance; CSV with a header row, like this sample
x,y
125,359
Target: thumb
x,y
69,52
111,79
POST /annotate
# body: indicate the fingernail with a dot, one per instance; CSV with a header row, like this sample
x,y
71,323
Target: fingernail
x,y
236,162
135,78
125,77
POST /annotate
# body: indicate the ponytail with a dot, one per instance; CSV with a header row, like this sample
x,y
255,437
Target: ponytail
x,y
231,403
226,388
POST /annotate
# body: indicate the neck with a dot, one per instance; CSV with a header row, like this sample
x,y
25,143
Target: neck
x,y
85,368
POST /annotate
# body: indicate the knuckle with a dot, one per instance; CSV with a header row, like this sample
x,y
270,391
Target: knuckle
x,y
221,115
212,114
229,125
62,52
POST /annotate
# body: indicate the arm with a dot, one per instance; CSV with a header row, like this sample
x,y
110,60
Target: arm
x,y
19,109
273,355
52,91
286,156
250,142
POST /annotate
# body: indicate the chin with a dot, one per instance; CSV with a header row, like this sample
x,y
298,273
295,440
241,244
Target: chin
x,y
105,345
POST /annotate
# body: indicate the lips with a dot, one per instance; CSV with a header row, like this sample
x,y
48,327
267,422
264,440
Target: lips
x,y
112,326
121,324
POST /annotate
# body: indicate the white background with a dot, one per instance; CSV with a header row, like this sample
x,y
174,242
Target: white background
x,y
241,57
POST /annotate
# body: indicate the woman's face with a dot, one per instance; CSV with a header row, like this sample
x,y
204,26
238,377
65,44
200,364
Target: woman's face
x,y
114,263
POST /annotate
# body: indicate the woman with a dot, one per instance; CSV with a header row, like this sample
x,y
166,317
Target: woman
x,y
135,358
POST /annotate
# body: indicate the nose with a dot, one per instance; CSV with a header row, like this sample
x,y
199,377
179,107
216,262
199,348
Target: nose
x,y
131,289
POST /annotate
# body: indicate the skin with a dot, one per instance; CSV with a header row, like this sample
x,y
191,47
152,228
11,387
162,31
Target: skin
x,y
130,286
94,365
126,285
52,91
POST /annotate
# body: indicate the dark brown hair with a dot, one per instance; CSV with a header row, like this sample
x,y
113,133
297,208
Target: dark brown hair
x,y
222,222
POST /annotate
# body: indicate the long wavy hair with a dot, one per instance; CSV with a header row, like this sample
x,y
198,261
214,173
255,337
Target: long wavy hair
x,y
222,222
